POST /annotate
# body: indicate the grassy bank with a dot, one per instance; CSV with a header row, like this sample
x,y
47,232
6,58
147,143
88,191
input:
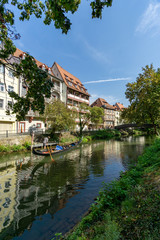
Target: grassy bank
x,y
14,148
128,208
102,134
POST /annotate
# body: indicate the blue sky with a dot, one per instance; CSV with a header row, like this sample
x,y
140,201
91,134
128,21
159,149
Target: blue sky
x,y
126,39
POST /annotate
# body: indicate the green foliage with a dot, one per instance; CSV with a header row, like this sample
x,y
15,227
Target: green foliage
x,y
107,230
53,11
102,134
5,148
97,114
84,116
58,116
27,144
14,148
38,88
137,132
143,96
86,139
36,81
97,7
69,139
141,214
17,148
128,208
106,134
58,236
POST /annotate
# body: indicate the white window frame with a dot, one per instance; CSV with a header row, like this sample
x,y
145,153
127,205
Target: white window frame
x,y
8,104
10,88
1,68
1,101
1,87
10,73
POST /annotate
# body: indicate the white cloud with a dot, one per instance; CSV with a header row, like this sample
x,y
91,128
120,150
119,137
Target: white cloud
x,y
109,80
94,51
20,44
70,56
150,20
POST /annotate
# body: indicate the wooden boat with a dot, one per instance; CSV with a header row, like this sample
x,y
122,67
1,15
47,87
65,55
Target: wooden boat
x,y
55,149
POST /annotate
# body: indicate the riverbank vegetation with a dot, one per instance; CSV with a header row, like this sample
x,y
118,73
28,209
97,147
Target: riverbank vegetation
x,y
128,208
102,134
15,147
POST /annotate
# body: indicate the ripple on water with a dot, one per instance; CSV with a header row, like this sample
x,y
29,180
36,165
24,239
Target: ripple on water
x,y
39,197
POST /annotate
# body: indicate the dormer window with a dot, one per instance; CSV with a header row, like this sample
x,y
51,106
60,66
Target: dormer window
x,y
43,67
66,76
49,70
70,84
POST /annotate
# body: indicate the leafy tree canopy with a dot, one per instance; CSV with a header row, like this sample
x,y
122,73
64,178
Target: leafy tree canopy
x,y
58,116
53,11
88,115
97,114
38,87
144,98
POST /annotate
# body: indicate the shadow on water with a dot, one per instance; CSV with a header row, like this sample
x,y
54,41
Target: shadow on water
x,y
39,197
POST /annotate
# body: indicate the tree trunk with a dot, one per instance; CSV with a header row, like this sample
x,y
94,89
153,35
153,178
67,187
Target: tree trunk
x,y
155,129
81,128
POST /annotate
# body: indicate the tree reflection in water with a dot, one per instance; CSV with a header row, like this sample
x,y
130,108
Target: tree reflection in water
x,y
39,197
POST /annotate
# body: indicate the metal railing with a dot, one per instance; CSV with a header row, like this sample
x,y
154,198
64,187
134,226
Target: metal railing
x,y
12,133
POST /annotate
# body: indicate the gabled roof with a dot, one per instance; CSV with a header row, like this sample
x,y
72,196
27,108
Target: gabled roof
x,y
19,54
100,102
71,81
119,106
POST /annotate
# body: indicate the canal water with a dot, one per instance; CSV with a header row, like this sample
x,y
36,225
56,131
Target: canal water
x,y
40,197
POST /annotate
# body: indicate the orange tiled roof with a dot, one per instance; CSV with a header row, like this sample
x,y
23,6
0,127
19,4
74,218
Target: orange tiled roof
x,y
102,102
119,106
71,81
19,53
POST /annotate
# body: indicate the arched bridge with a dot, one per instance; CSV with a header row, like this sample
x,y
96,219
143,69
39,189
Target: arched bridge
x,y
133,125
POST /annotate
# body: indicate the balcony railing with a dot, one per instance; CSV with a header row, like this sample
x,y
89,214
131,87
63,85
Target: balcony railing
x,y
32,114
57,88
78,98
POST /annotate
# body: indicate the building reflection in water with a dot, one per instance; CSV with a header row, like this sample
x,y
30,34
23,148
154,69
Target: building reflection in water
x,y
34,189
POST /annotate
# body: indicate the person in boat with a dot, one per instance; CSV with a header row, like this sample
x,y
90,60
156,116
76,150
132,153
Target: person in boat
x,y
45,141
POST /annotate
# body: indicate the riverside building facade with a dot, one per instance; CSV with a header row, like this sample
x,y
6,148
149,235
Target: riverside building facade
x,y
67,88
109,112
119,108
8,82
76,93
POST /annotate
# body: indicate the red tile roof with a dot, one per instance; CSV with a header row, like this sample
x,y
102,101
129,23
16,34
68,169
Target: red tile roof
x,y
71,81
19,53
119,106
102,102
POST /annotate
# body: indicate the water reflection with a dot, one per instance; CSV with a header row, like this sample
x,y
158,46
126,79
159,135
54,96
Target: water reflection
x,y
39,197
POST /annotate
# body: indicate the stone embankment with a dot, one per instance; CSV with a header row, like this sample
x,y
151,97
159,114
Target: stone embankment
x,y
18,140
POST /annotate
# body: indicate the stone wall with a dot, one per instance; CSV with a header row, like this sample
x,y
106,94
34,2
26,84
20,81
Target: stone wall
x,y
15,140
